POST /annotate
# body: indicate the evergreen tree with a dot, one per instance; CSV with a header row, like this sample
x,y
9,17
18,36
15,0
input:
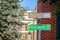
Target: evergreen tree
x,y
10,19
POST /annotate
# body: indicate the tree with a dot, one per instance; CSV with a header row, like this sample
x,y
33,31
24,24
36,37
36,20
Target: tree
x,y
10,19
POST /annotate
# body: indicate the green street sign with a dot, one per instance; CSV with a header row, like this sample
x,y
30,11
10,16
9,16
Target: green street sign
x,y
39,27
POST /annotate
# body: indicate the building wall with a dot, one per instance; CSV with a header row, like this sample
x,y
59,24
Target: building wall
x,y
25,34
51,34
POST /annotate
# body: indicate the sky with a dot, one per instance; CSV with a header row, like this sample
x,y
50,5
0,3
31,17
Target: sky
x,y
29,4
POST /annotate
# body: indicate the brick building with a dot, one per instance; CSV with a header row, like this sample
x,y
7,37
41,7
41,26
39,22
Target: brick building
x,y
49,34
